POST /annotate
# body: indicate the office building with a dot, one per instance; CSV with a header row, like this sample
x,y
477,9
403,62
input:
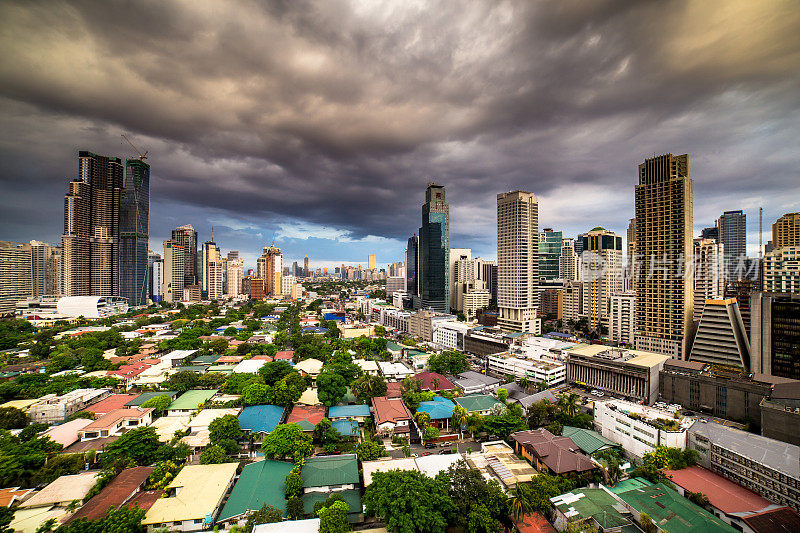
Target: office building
x,y
186,237
781,270
192,293
461,270
412,264
663,248
732,227
601,273
434,251
632,374
786,231
235,276
549,253
472,297
152,257
720,338
710,233
268,268
551,303
780,412
572,301
517,260
174,276
709,274
90,259
569,264
209,253
775,334
157,280
306,271
621,318
45,269
134,233
486,272
579,244
16,280
371,262
535,370
768,467
216,275
395,284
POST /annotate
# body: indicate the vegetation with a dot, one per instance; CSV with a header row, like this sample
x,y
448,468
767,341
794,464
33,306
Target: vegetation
x,y
448,363
395,498
287,441
266,515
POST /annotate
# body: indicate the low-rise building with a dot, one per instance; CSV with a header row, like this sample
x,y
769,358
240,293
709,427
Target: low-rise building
x,y
535,370
52,501
553,454
440,410
194,498
394,371
117,422
260,483
332,474
255,419
484,341
434,382
639,429
627,373
497,460
120,491
590,506
450,334
368,366
358,412
429,465
768,467
483,404
391,415
309,367
471,382
52,408
780,413
190,401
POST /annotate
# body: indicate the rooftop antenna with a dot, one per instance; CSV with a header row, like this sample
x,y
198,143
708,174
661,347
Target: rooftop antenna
x,y
212,233
760,210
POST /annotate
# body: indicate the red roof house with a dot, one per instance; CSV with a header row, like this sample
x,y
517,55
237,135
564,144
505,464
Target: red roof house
x,y
306,416
121,490
431,381
110,403
391,415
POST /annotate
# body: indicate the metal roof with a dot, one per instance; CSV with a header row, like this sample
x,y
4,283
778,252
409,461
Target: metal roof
x,y
260,483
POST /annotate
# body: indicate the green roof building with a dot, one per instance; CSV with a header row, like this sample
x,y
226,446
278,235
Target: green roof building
x,y
672,512
331,471
260,483
351,497
587,440
190,401
593,505
145,396
478,403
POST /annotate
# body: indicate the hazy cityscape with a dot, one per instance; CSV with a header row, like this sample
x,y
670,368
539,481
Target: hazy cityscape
x,y
363,266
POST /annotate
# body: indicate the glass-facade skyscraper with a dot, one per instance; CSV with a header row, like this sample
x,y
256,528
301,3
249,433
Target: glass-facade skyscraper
x,y
134,233
411,265
434,251
549,253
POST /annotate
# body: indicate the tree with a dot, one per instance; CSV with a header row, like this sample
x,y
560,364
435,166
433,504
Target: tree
x,y
430,433
459,418
541,488
448,363
158,403
480,505
520,503
325,434
502,395
395,498
162,475
266,515
331,388
697,498
6,516
369,386
333,519
12,418
370,450
422,418
295,508
122,519
294,484
289,389
505,423
138,446
225,432
213,455
274,371
182,381
647,523
287,441
257,394
569,404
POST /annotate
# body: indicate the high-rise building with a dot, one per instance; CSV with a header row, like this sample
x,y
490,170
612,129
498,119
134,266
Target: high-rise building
x,y
572,301
786,231
601,273
233,255
395,284
186,236
486,272
134,233
210,253
732,227
216,279
235,276
157,279
709,275
517,260
46,269
775,334
268,268
461,270
434,249
569,264
579,244
152,257
781,270
305,267
663,247
412,263
630,252
621,318
549,253
16,277
710,233
371,261
174,276
721,338
90,259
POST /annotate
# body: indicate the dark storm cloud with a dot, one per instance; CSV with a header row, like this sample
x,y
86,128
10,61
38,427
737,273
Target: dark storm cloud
x,y
337,113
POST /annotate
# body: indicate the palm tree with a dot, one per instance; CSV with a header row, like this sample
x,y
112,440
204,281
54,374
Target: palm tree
x,y
524,383
459,419
520,503
569,404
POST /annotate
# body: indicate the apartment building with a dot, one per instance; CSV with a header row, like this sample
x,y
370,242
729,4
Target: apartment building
x,y
51,408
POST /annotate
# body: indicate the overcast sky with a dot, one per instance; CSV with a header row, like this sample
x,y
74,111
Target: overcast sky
x,y
322,122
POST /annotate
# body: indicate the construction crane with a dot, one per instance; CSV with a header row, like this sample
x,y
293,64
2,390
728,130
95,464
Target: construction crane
x,y
142,156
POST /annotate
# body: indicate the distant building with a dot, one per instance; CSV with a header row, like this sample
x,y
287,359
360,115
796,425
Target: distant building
x,y
46,269
551,301
186,237
235,276
786,231
395,284
709,274
135,233
781,270
16,281
269,267
775,336
569,263
720,338
601,273
550,243
572,301
174,275
434,250
621,318
210,253
732,226
371,262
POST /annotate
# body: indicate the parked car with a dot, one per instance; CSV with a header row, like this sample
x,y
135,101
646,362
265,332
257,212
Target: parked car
x,y
426,454
430,445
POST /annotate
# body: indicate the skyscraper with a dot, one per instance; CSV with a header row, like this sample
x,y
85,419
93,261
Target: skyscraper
x,y
305,267
233,255
371,261
549,253
460,270
15,275
732,226
434,241
269,267
174,276
775,338
412,262
786,231
569,264
210,254
602,273
663,247
134,233
46,269
235,276
186,236
709,276
153,286
517,260
90,259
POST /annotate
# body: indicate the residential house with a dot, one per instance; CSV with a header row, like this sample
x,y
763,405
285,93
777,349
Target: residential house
x,y
117,422
434,382
440,410
332,474
391,415
255,419
550,453
471,382
483,404
261,483
309,367
189,401
306,416
120,491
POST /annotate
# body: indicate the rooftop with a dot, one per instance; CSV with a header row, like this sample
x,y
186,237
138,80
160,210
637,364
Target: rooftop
x,y
781,520
560,454
260,418
431,381
597,504
306,416
723,494
327,470
587,440
110,403
346,411
478,402
67,433
191,400
438,409
389,410
145,396
63,490
260,483
109,420
120,490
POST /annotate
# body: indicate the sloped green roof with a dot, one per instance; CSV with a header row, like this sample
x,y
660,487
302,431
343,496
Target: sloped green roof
x,y
325,470
585,503
192,399
351,497
145,396
261,483
477,402
587,440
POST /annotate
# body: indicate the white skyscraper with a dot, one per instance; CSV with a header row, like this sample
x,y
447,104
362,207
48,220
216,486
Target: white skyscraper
x,y
569,263
517,260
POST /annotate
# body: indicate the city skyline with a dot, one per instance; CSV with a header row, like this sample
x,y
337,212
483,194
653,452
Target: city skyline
x,y
730,103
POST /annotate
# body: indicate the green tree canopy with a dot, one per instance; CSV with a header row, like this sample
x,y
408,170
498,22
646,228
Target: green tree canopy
x,y
213,455
448,363
397,498
331,388
158,403
12,418
369,386
333,519
287,441
257,394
